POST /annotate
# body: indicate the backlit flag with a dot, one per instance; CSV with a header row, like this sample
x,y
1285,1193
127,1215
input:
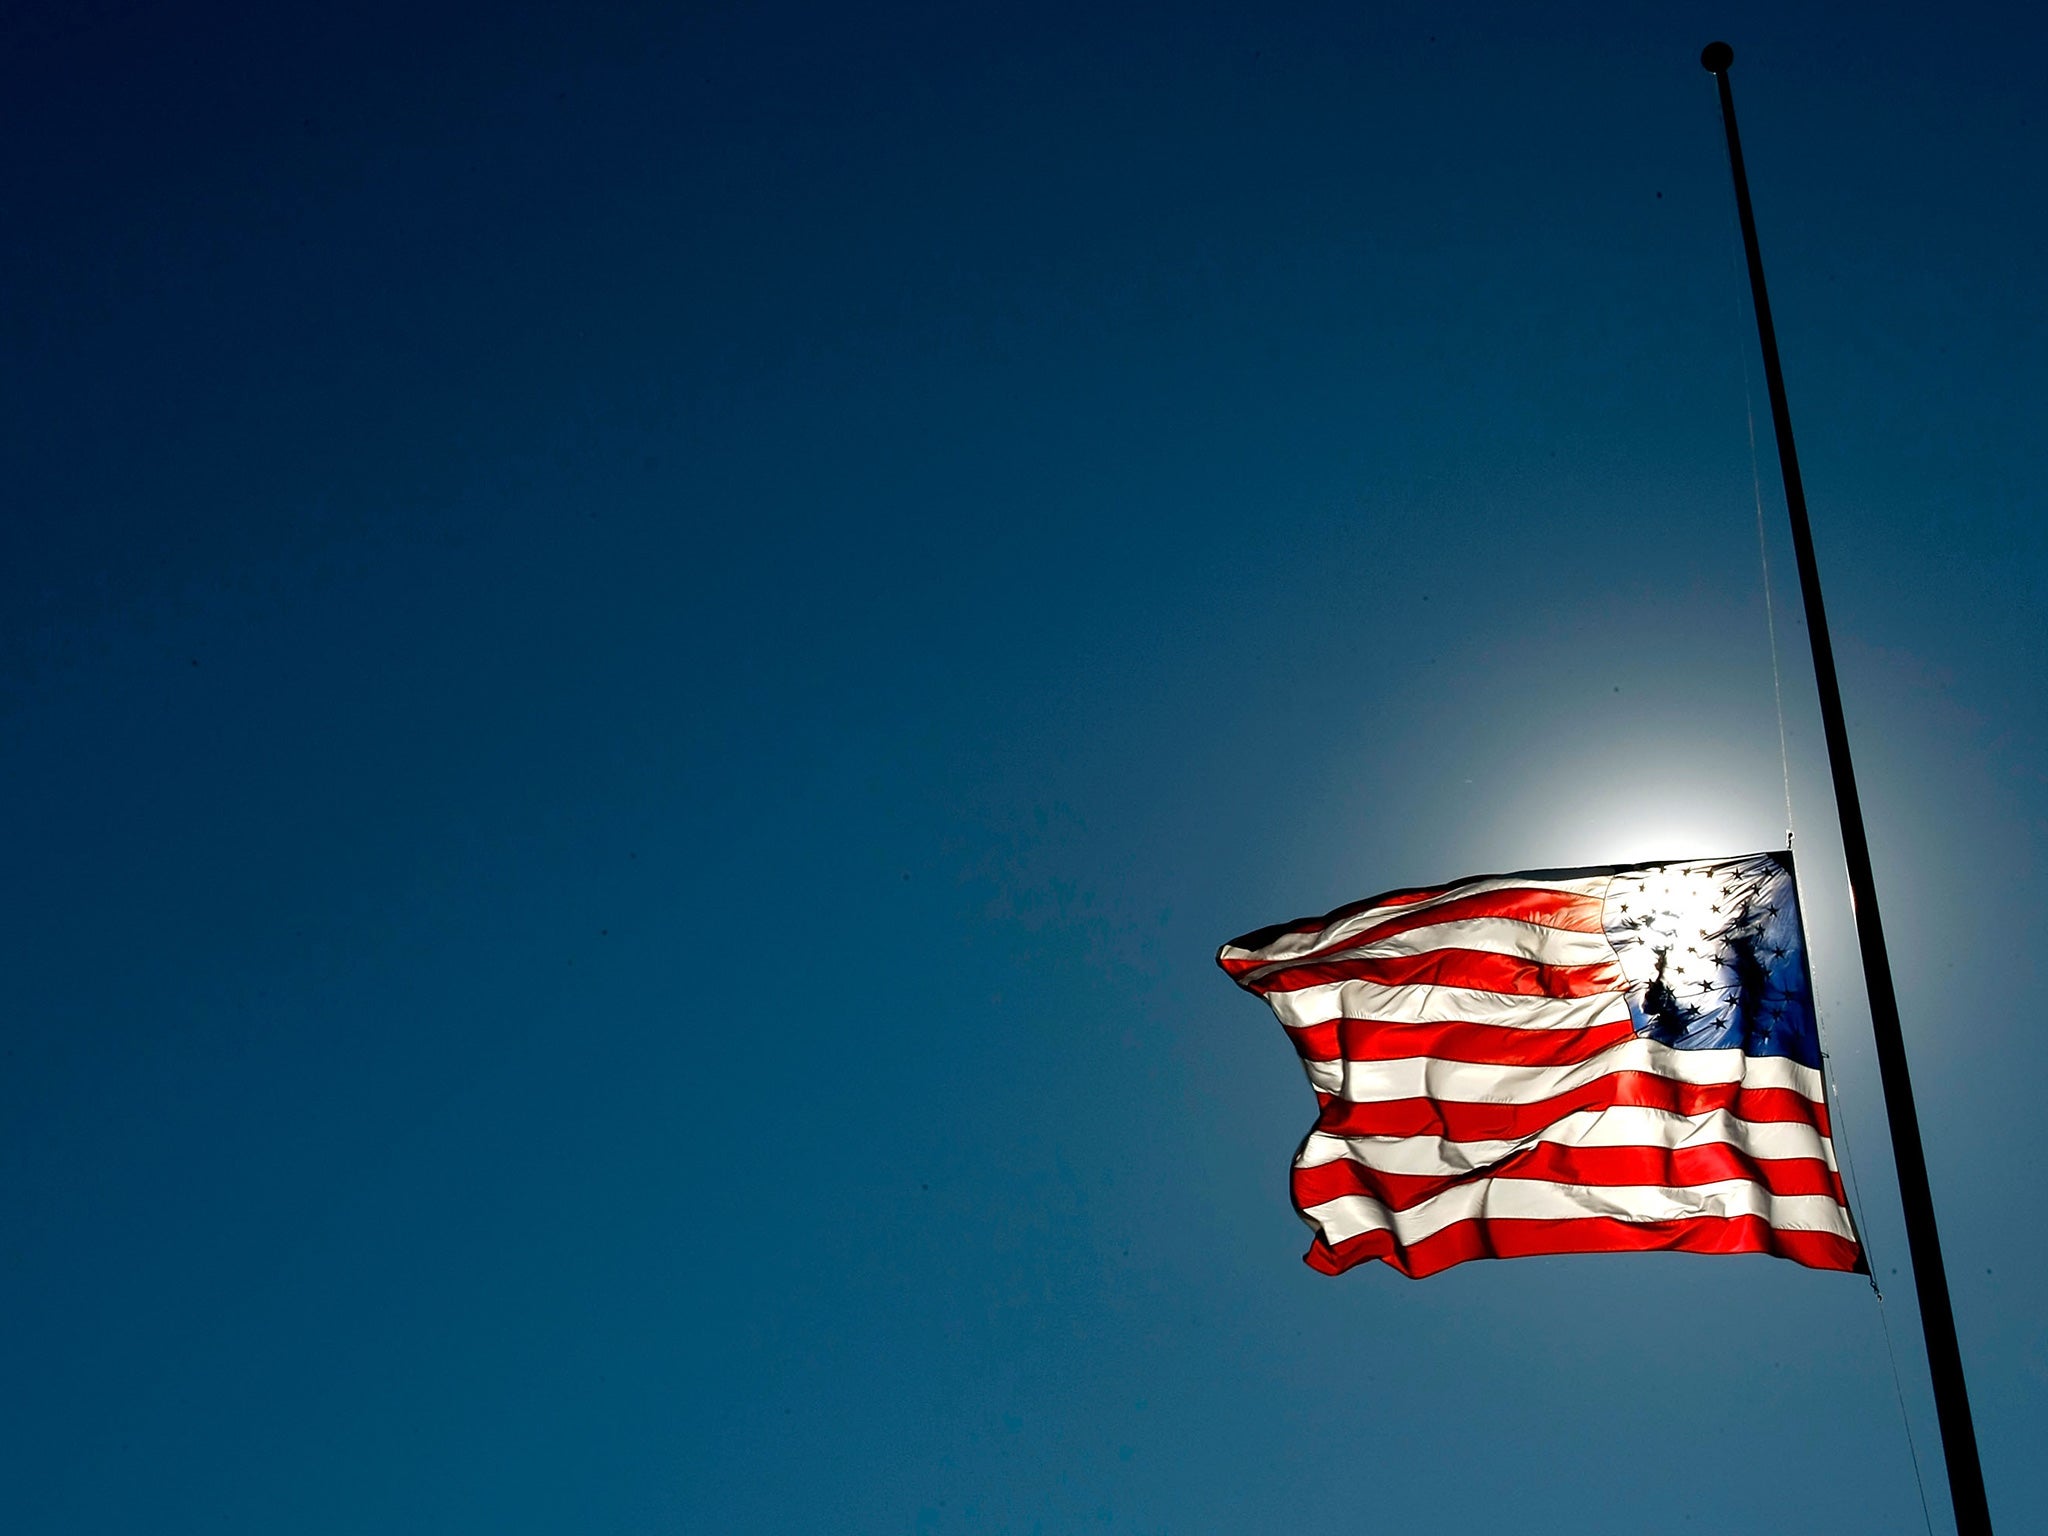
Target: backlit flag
x,y
1563,1061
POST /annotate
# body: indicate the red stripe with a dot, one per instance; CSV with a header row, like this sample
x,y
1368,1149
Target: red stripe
x,y
1475,968
1265,938
1565,910
1514,1238
1457,1121
1490,1044
1671,1167
1569,910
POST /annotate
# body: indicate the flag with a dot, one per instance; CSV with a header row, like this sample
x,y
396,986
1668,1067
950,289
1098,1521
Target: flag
x,y
1561,1061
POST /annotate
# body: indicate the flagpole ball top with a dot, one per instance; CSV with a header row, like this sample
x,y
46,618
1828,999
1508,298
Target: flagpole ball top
x,y
1716,57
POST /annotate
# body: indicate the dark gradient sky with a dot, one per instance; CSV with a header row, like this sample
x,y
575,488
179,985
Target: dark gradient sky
x,y
642,655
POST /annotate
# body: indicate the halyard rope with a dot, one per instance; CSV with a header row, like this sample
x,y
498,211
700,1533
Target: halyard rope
x,y
1838,1124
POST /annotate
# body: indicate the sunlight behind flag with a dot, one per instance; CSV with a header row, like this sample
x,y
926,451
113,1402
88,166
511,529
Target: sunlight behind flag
x,y
1565,1061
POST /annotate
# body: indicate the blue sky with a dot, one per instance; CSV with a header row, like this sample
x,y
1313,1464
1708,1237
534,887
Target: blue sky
x,y
643,654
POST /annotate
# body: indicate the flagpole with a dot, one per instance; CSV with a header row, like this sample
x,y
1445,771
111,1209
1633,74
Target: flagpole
x,y
1930,1278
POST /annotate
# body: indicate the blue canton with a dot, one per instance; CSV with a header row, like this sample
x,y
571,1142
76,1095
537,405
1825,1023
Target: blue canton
x,y
1715,956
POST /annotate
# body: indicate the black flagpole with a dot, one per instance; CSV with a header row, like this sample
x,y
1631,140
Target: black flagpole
x,y
1937,1320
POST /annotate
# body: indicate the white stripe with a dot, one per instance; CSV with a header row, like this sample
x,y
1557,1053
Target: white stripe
x,y
1622,1126
1489,935
1432,1077
1421,1003
1536,1200
1324,1076
1292,946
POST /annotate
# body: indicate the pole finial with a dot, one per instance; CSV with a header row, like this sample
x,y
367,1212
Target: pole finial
x,y
1716,57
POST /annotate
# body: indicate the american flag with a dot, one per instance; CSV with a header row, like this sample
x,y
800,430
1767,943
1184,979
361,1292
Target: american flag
x,y
1561,1061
